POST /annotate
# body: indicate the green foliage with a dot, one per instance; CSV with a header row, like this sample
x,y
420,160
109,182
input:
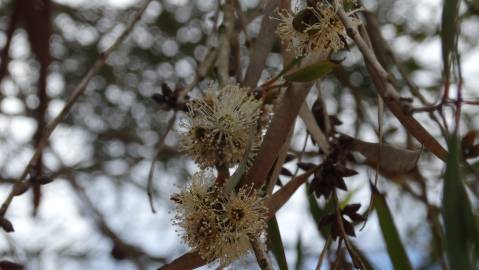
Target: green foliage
x,y
449,28
396,250
299,253
311,72
277,247
462,235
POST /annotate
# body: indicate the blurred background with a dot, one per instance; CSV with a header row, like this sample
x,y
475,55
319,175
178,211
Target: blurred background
x,y
99,157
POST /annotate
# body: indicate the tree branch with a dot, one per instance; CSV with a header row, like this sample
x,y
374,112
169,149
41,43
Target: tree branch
x,y
77,92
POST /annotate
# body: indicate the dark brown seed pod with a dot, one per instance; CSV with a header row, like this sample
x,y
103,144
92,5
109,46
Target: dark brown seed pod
x,y
6,225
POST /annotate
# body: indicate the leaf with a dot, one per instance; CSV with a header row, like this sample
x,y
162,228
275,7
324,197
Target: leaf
x,y
449,31
351,208
311,72
305,166
313,128
295,62
289,157
278,132
317,212
468,139
299,253
262,46
6,225
461,229
278,165
190,260
381,136
392,159
286,172
473,4
280,197
395,248
276,243
20,188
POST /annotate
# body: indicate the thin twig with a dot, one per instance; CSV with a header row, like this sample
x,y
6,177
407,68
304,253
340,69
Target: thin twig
x,y
159,147
344,235
262,46
432,214
261,254
243,25
201,73
429,109
77,92
313,128
226,32
276,171
123,248
338,254
323,252
301,154
382,81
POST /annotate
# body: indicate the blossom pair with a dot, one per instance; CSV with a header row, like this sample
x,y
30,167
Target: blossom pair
x,y
217,224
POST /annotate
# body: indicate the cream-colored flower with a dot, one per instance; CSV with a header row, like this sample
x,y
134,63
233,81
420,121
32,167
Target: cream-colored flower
x,y
219,126
312,29
196,216
219,225
197,193
246,212
245,219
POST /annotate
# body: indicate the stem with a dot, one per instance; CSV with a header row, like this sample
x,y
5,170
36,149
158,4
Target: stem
x,y
344,236
323,252
224,49
159,147
382,81
77,92
261,254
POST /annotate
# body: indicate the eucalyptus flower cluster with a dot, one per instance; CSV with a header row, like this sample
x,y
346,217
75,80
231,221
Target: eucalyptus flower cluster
x,y
219,126
222,127
216,224
315,28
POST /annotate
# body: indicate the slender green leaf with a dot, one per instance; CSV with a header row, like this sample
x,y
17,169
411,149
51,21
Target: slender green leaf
x,y
460,223
449,30
311,72
295,62
276,243
299,253
396,250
